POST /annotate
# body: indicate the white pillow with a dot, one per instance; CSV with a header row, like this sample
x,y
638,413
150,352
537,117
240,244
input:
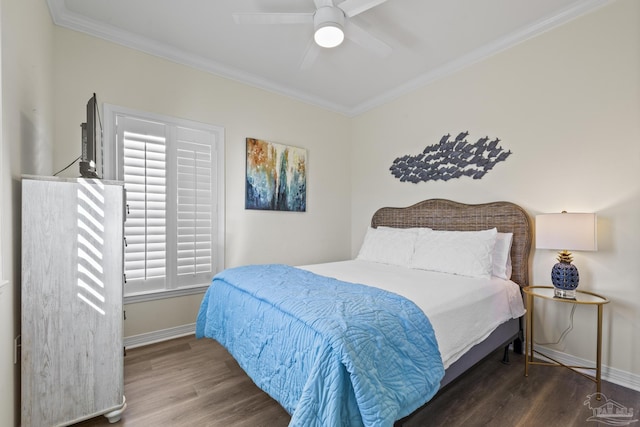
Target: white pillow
x,y
388,246
467,253
502,256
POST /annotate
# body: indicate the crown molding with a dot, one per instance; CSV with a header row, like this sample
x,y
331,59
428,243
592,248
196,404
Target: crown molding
x,y
570,13
63,17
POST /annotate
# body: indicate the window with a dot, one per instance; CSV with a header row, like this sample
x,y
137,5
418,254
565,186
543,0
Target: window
x,y
173,173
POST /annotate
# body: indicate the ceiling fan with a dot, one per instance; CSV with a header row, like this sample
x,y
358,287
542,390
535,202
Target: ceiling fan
x,y
331,23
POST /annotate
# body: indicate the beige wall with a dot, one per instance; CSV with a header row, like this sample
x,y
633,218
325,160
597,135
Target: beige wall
x,y
128,78
26,147
567,105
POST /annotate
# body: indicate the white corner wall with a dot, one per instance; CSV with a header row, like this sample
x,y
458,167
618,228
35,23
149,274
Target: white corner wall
x,y
567,104
25,147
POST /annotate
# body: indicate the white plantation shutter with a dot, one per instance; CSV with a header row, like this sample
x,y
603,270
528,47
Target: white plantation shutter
x,y
144,176
173,173
196,197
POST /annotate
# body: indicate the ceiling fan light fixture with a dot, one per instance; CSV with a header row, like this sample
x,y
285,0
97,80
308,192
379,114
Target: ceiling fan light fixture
x,y
328,22
329,36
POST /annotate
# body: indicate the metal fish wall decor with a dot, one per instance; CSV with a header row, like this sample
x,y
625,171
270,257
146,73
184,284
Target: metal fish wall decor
x,y
450,159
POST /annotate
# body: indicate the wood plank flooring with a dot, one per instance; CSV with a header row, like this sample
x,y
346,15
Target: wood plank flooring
x,y
187,382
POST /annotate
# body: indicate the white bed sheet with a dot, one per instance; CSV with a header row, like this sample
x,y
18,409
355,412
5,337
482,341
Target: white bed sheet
x,y
463,310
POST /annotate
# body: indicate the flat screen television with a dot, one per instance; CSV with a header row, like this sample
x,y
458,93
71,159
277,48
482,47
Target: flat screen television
x,y
91,157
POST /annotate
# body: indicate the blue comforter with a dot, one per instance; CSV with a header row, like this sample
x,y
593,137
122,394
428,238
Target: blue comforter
x,y
332,353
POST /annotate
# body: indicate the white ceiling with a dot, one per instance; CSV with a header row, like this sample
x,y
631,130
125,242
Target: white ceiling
x,y
429,39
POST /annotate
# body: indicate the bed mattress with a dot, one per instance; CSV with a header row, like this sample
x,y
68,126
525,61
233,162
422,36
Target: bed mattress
x,y
463,310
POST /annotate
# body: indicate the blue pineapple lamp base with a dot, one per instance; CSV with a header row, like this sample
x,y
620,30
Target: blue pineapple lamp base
x,y
565,278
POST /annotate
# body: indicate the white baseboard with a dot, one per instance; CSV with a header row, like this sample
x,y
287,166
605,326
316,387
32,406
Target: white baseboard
x,y
159,336
612,375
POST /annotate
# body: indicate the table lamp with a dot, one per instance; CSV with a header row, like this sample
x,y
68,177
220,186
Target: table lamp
x,y
566,232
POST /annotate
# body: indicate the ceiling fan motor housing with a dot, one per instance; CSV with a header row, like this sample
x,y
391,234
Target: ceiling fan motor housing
x,y
329,19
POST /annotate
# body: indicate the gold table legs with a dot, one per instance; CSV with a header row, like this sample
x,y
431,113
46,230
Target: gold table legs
x,y
529,350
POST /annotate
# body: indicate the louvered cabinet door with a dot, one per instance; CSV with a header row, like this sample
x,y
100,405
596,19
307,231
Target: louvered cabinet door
x,y
72,353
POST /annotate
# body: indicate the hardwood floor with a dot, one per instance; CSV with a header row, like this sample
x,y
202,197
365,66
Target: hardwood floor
x,y
189,382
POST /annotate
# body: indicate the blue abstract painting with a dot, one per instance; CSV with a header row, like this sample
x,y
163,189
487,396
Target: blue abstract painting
x,y
276,177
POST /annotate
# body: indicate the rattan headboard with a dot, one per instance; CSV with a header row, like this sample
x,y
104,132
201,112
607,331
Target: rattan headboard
x,y
440,214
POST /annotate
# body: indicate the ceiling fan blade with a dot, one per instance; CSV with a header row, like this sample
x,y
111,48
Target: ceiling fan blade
x,y
310,55
356,7
367,40
273,18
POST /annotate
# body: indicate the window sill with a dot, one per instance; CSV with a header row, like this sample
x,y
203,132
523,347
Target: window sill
x,y
172,293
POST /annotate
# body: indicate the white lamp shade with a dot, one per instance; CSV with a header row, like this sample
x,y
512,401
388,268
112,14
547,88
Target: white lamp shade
x,y
567,231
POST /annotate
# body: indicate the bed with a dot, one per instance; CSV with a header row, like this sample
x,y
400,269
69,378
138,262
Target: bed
x,y
335,344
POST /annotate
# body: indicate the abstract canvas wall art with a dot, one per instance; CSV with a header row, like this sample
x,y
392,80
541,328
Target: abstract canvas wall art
x,y
276,177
